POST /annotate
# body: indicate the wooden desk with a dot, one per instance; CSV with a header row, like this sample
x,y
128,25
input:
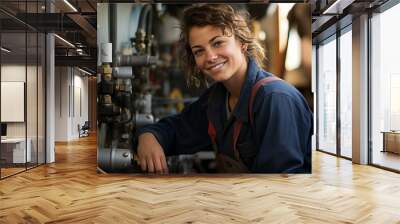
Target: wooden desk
x,y
15,148
391,141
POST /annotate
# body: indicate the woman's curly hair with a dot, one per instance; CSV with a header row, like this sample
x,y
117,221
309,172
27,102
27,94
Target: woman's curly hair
x,y
230,20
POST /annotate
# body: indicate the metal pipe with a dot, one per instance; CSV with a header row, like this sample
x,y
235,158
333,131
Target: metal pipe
x,y
143,17
123,72
133,60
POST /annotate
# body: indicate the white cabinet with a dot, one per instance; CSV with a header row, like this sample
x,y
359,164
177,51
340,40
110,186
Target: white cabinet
x,y
17,147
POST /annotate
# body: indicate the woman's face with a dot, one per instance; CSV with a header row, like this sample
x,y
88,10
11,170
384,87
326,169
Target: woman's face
x,y
218,56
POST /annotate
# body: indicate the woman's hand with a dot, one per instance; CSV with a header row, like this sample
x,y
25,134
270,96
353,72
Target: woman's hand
x,y
151,154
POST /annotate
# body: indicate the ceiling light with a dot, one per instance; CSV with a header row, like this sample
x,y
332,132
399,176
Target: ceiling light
x,y
84,71
70,5
337,7
64,40
5,49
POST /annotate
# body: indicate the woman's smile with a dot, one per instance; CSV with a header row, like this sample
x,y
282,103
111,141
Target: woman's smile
x,y
216,67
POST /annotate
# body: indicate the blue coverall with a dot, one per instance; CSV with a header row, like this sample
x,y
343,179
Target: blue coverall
x,y
279,141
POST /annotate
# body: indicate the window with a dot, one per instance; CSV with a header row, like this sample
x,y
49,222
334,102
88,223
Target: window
x,y
22,74
346,93
385,88
327,96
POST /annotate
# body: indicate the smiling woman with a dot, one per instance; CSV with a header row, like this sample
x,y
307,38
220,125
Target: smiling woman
x,y
226,30
217,55
252,120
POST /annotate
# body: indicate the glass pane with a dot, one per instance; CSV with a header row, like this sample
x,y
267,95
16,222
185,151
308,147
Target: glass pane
x,y
41,99
313,87
31,97
32,73
327,96
346,94
385,85
13,85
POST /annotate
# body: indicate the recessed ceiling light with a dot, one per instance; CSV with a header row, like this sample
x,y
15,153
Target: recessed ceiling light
x,y
64,40
337,7
70,5
84,71
5,49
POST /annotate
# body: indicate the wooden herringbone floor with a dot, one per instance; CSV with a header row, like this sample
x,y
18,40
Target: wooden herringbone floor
x,y
71,191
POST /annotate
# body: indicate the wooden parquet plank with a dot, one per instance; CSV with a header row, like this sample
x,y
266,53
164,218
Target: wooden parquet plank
x,y
71,191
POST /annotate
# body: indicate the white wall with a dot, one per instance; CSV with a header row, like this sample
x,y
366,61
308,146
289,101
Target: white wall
x,y
61,103
79,117
70,83
13,73
16,73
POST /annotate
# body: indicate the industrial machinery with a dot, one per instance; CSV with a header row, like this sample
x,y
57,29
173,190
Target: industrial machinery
x,y
124,99
124,103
